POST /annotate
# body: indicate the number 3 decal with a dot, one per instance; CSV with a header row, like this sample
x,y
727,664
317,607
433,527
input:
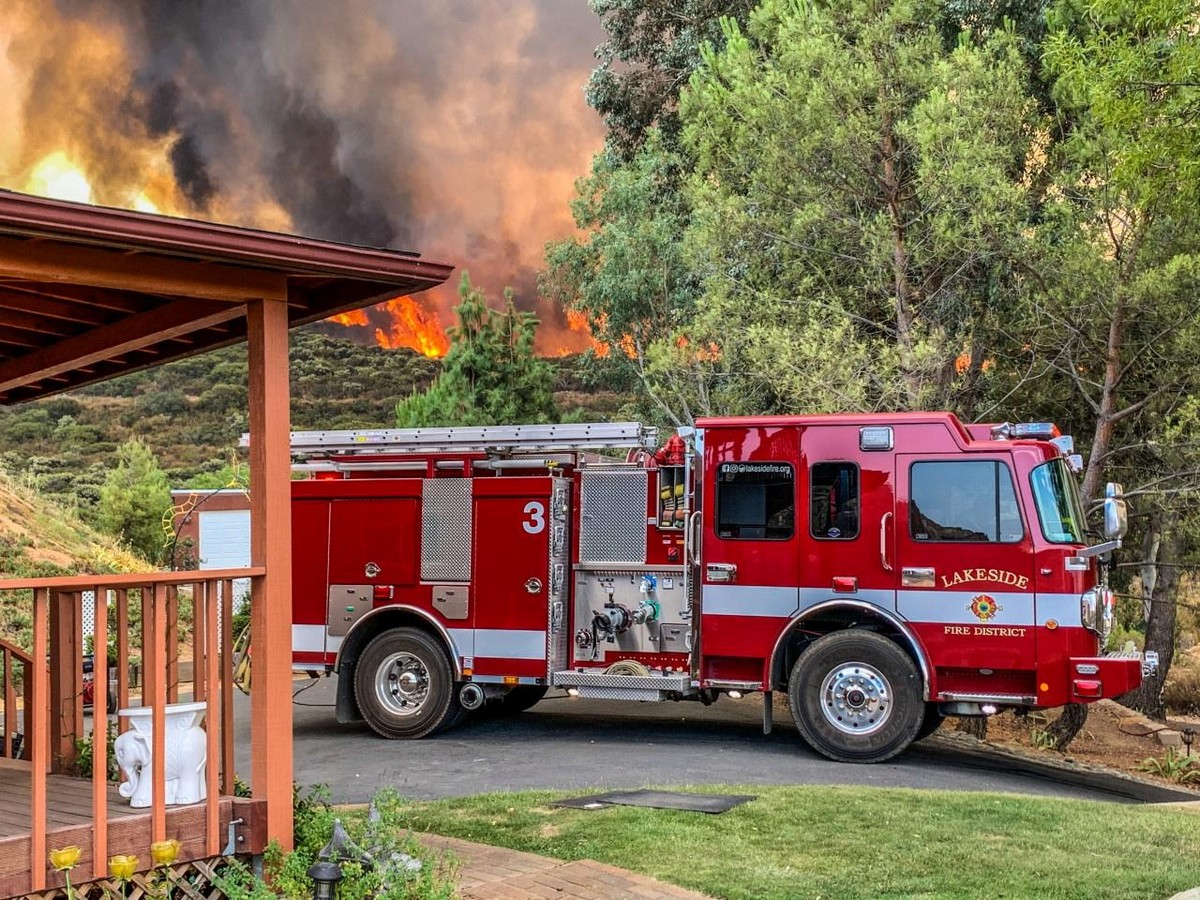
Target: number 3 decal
x,y
536,523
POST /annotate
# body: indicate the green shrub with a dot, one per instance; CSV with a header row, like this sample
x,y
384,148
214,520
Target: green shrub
x,y
383,846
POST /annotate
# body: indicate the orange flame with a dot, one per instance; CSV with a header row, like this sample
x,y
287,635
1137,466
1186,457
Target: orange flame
x,y
413,326
354,317
579,323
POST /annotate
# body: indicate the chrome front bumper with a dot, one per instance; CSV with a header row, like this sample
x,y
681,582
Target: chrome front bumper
x,y
1149,660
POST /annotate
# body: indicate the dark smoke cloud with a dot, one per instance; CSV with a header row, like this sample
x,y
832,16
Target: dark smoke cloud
x,y
455,128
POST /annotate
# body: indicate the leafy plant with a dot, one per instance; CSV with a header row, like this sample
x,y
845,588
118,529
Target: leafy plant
x,y
1172,765
1041,739
85,754
390,864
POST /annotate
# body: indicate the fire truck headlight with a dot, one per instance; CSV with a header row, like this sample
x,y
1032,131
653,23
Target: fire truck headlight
x,y
1089,608
1097,609
1108,613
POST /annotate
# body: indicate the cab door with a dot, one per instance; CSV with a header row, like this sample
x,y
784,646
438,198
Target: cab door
x,y
514,521
750,566
965,566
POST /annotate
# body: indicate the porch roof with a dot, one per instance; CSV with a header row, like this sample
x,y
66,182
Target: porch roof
x,y
88,293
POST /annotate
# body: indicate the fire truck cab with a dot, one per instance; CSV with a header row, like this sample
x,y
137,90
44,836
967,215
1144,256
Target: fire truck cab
x,y
884,570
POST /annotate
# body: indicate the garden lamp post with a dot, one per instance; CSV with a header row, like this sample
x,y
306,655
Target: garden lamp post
x,y
325,877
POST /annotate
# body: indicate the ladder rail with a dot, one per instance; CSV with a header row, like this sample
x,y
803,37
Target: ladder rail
x,y
472,439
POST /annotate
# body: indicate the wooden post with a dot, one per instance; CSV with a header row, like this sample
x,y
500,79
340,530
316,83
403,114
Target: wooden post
x,y
270,542
100,737
206,616
172,643
157,660
37,734
66,678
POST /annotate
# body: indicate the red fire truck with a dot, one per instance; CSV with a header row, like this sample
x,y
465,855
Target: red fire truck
x,y
884,570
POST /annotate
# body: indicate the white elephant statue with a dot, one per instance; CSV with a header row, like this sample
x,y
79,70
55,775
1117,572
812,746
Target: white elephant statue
x,y
186,746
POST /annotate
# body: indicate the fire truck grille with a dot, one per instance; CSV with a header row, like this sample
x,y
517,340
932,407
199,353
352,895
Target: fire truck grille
x,y
446,529
612,524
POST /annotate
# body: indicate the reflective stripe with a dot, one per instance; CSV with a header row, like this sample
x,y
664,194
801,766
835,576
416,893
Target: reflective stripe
x,y
748,600
1063,608
813,596
308,638
954,607
501,643
463,640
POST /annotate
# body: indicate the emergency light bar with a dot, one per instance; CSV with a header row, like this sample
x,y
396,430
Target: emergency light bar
x,y
1036,431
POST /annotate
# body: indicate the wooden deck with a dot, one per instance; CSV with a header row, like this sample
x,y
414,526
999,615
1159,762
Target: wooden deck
x,y
69,821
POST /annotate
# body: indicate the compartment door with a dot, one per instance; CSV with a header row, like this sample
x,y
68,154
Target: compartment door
x,y
514,522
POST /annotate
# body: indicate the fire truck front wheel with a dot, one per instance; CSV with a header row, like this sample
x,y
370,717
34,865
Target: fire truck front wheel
x,y
404,685
856,697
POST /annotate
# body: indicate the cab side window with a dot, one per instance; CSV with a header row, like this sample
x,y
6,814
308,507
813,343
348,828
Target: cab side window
x,y
963,501
834,503
756,501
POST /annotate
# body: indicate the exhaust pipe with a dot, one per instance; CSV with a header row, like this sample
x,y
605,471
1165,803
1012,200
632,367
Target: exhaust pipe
x,y
471,696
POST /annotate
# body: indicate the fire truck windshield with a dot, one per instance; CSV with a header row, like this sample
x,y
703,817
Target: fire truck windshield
x,y
1059,508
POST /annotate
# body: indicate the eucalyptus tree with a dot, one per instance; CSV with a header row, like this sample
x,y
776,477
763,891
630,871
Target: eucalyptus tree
x,y
651,48
859,203
1121,275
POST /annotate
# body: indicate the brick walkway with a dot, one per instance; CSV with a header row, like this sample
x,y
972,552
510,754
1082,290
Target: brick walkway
x,y
495,873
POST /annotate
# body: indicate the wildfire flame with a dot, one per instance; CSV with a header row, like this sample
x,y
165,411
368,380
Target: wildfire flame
x,y
413,326
57,177
354,317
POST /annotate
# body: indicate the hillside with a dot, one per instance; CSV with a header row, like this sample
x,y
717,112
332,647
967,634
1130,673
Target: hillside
x,y
192,412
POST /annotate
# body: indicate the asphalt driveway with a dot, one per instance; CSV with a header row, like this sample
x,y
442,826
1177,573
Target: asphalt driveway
x,y
573,744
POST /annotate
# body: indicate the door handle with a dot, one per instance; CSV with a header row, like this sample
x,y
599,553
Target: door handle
x,y
691,538
534,585
883,550
918,576
720,571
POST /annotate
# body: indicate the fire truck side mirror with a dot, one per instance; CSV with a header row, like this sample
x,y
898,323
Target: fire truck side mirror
x,y
1115,519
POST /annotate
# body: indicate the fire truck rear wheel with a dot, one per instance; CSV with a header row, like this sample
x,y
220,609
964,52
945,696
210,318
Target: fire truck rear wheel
x,y
404,685
856,697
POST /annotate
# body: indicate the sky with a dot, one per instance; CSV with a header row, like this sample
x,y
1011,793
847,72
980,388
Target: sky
x,y
455,128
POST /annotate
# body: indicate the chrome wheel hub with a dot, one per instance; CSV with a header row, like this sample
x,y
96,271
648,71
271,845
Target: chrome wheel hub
x,y
856,698
402,684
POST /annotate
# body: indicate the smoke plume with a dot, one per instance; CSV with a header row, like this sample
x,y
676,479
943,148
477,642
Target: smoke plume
x,y
454,128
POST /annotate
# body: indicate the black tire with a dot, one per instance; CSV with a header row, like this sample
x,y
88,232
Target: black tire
x,y
932,722
856,697
404,685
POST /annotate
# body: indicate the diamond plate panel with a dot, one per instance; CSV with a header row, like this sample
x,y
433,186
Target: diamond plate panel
x,y
446,529
637,682
601,693
613,516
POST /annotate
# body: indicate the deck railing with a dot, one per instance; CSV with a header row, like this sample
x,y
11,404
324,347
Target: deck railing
x,y
53,717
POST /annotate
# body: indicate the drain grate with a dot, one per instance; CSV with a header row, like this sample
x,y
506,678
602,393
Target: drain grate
x,y
705,803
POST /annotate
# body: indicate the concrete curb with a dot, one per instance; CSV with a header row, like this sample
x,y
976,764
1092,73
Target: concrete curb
x,y
955,748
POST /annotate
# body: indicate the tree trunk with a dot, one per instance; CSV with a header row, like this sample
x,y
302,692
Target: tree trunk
x,y
1069,724
1160,582
1106,417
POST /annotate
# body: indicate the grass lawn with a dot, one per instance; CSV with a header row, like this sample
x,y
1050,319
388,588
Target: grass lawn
x,y
850,842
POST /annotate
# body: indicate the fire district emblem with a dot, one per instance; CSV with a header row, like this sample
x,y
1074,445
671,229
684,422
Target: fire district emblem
x,y
984,607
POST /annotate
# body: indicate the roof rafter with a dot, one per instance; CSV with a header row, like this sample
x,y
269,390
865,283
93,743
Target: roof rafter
x,y
43,261
132,334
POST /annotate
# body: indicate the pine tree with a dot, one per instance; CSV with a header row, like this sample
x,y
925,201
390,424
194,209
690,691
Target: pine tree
x,y
490,376
133,498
